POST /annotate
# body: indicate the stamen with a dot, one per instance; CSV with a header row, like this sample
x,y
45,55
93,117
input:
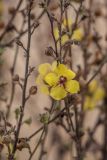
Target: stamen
x,y
62,80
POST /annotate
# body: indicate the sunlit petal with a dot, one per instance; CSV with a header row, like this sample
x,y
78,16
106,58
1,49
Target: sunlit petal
x,y
72,86
44,89
54,65
93,86
58,93
62,70
67,22
51,79
39,80
99,94
77,35
44,68
89,103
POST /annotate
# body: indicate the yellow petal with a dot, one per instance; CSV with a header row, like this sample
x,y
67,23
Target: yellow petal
x,y
54,65
69,22
89,103
44,68
51,79
64,38
93,104
58,93
77,35
62,70
72,86
69,74
93,86
39,80
56,33
99,94
44,89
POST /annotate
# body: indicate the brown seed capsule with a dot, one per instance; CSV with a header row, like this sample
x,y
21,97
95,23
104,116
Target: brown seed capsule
x,y
33,90
49,51
16,78
22,143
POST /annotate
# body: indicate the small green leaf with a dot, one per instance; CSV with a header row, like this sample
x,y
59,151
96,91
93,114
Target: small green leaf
x,y
11,147
28,121
44,118
17,112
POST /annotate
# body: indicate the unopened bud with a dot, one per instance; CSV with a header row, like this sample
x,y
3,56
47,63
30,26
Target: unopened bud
x,y
22,143
32,16
33,90
44,118
7,139
76,42
18,42
49,51
16,78
66,4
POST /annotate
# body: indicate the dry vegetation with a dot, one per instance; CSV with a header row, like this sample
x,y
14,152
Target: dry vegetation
x,y
69,123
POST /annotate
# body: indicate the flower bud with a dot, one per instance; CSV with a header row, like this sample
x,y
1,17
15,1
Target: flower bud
x,y
49,51
18,42
16,78
33,90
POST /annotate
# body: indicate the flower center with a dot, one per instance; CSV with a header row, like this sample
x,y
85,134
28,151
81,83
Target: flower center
x,y
62,80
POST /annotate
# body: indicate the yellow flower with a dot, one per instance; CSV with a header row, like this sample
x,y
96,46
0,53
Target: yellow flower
x,y
77,33
96,94
57,80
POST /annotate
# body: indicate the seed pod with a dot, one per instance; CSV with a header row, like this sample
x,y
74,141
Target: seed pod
x,y
49,51
18,42
22,143
7,139
33,90
16,78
